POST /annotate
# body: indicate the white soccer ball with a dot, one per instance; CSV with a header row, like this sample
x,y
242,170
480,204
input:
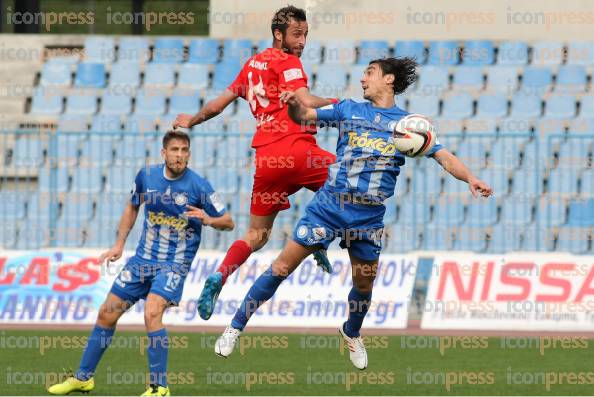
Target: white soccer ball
x,y
414,135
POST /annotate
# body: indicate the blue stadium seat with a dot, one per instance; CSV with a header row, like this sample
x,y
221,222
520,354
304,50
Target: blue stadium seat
x,y
77,207
133,49
106,123
433,80
28,152
12,204
518,125
125,74
67,148
527,181
226,180
581,213
44,180
505,153
140,123
444,53
427,180
537,79
574,154
193,76
497,177
8,234
87,180
491,105
90,75
447,126
502,79
149,103
165,123
372,49
472,152
69,233
340,52
447,212
535,238
112,104
159,75
424,104
73,123
560,106
458,106
119,179
525,106
437,238
478,52
204,51
312,53
537,157
512,53
547,53
224,74
413,49
55,74
168,50
573,239
212,127
468,78
562,182
131,151
503,238
99,49
403,238
43,104
552,212
571,79
184,103
33,234
587,187
110,204
97,151
413,212
480,125
237,50
471,238
330,79
587,106
580,53
39,205
549,125
517,211
81,104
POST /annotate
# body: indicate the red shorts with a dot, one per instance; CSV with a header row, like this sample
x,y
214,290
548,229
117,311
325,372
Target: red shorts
x,y
284,167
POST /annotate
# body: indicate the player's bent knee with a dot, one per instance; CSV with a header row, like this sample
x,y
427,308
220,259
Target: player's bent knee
x,y
257,238
107,318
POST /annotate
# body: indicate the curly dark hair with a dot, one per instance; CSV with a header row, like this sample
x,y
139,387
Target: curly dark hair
x,y
403,69
282,18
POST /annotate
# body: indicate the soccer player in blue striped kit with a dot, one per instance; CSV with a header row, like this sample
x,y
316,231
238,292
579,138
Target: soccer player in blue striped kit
x,y
350,206
177,203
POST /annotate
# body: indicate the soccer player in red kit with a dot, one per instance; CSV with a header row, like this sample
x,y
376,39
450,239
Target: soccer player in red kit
x,y
287,155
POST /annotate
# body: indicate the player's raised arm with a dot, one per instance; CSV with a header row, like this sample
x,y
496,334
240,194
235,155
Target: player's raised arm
x,y
297,111
209,110
456,168
312,101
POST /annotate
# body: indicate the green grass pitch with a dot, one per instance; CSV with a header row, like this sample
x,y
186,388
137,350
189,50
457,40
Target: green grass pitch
x,y
307,364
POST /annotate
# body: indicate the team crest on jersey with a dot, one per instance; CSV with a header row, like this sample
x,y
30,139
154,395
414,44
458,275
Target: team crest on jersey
x,y
302,231
125,276
180,198
377,118
319,233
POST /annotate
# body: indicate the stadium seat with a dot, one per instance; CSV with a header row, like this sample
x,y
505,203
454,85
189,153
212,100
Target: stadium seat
x,y
33,234
517,126
81,104
67,148
168,50
505,153
497,177
580,53
537,79
193,76
87,180
372,49
39,205
413,49
90,75
124,74
224,74
133,49
226,180
517,211
424,181
587,186
55,74
203,51
312,53
472,152
512,53
44,180
478,52
403,238
560,106
547,53
77,207
525,106
587,106
562,182
159,75
97,151
12,205
471,238
424,104
573,239
444,53
106,123
527,181
448,126
330,80
148,103
480,125
549,125
433,80
458,105
571,79
503,238
340,52
502,79
493,105
237,50
28,152
111,204
131,151
468,78
69,233
99,49
73,123
112,104
47,105
581,213
537,238
184,103
447,212
140,124
437,238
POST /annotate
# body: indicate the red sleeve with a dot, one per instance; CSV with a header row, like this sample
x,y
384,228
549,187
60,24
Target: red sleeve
x,y
291,74
240,85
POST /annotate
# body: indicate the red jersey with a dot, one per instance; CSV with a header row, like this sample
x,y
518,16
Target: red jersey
x,y
260,82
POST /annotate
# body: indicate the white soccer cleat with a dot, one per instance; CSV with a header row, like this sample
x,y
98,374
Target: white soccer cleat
x,y
226,342
357,351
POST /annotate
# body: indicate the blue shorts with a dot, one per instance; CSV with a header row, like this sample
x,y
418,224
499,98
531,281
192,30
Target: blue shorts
x,y
139,278
358,226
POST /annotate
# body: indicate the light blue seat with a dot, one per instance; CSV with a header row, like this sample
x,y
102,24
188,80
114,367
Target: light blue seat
x,y
99,49
340,52
424,104
119,179
81,104
106,123
587,187
562,182
481,213
203,51
140,123
581,213
560,106
503,238
458,106
468,78
427,180
525,106
580,53
73,123
159,75
437,238
537,239
581,125
226,180
224,74
573,239
112,104
61,182
168,50
87,180
267,43
571,79
98,150
448,212
77,207
312,53
517,126
537,79
149,103
131,151
404,238
126,74
497,176
472,152
528,181
587,106
372,49
32,234
502,79
39,206
12,204
512,53
471,238
446,126
90,75
69,233
133,49
28,152
478,52
547,53
181,103
412,48
237,50
43,104
505,153
480,125
433,80
110,206
444,53
193,76
330,79
491,105
55,74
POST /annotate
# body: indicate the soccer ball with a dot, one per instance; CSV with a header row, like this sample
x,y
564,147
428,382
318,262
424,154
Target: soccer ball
x,y
414,135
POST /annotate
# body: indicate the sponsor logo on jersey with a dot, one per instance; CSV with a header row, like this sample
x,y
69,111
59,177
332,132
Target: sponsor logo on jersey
x,y
292,74
173,222
364,141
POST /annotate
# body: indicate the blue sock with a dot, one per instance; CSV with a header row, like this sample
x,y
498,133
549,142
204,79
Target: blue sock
x,y
262,290
158,347
97,343
358,307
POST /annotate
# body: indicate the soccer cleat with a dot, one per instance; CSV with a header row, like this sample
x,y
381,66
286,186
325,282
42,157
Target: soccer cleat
x,y
157,390
72,384
226,342
209,295
357,351
322,260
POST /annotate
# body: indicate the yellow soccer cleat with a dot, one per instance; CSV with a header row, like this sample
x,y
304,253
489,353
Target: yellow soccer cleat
x,y
72,384
157,390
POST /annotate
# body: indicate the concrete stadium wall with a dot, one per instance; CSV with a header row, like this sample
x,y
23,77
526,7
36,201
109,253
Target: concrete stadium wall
x,y
413,19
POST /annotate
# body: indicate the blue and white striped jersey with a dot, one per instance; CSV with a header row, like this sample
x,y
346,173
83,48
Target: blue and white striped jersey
x,y
367,162
168,236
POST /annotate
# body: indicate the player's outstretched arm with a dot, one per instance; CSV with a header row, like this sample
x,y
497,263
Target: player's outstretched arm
x,y
456,168
208,111
224,222
312,101
126,224
297,111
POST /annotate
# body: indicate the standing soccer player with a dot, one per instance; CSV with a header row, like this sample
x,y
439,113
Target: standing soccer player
x,y
350,206
177,203
287,156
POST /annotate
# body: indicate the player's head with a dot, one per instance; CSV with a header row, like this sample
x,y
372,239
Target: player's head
x,y
176,151
387,76
289,30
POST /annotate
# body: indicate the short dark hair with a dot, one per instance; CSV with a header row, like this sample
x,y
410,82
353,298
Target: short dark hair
x,y
281,18
175,134
403,69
